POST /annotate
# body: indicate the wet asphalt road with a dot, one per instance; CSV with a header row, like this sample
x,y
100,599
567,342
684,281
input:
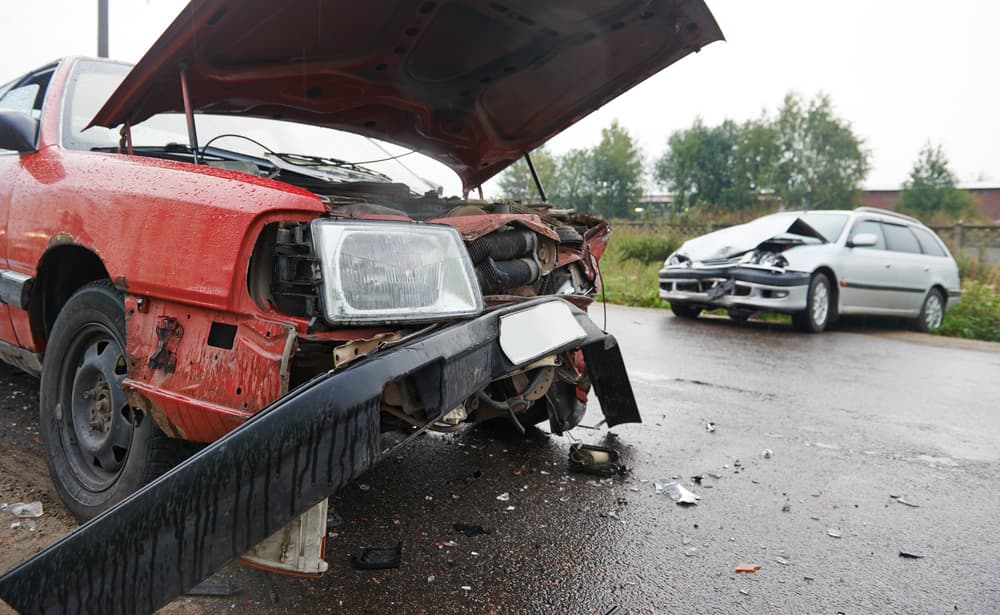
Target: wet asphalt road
x,y
852,418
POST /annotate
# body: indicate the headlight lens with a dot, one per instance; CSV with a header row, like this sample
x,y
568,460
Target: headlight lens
x,y
676,259
766,259
392,272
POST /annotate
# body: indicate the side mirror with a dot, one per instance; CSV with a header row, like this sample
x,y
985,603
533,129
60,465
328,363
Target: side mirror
x,y
863,240
17,131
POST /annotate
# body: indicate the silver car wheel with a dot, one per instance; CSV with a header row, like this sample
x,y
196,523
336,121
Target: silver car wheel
x,y
820,302
933,312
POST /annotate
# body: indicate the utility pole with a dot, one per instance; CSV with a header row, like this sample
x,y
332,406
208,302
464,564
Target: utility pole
x,y
102,28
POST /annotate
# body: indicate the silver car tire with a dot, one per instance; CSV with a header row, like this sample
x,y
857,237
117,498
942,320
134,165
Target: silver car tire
x,y
819,306
931,313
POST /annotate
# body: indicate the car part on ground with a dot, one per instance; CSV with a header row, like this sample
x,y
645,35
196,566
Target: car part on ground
x,y
816,266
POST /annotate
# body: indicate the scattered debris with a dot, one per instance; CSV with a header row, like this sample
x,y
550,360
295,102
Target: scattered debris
x,y
767,454
364,487
449,543
471,530
379,558
909,555
622,501
710,427
691,552
786,508
509,508
750,568
816,494
677,493
697,478
714,475
504,497
808,579
901,500
431,578
833,533
209,588
466,588
744,592
23,511
782,561
592,459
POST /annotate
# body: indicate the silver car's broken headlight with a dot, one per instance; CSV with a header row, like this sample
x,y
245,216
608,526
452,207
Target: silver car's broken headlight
x,y
393,272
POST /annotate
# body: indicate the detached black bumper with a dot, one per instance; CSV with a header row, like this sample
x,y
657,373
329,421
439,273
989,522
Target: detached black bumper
x,y
167,537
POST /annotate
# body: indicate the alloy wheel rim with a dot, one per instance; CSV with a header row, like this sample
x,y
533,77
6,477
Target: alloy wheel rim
x,y
821,302
933,312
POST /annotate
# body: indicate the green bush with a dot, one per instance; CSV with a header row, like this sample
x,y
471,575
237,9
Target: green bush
x,y
646,246
977,315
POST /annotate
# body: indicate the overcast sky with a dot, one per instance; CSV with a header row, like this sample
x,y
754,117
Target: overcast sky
x,y
901,71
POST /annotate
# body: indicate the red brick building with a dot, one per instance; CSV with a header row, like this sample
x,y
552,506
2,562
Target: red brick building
x,y
988,198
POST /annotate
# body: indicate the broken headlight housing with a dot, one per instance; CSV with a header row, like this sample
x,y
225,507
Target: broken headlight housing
x,y
393,272
766,258
677,259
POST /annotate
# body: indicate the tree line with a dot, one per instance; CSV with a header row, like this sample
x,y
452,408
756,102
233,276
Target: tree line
x,y
803,156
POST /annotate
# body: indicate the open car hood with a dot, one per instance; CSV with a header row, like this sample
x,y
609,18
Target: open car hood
x,y
473,84
735,240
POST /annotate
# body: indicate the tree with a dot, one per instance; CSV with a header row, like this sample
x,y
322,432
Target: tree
x,y
573,185
821,162
516,183
616,173
931,187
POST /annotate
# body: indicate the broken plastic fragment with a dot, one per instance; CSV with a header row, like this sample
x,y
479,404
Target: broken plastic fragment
x,y
379,558
767,454
23,511
691,552
910,555
710,427
833,533
751,568
504,497
592,459
471,530
677,493
782,561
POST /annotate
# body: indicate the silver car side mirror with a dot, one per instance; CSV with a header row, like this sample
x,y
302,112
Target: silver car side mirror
x,y
863,240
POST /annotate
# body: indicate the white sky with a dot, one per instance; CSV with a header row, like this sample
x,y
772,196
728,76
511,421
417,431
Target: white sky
x,y
901,71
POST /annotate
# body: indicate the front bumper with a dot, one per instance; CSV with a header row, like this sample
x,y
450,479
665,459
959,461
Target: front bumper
x,y
236,492
735,287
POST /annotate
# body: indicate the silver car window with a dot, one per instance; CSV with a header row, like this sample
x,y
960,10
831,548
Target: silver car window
x,y
873,227
900,239
928,242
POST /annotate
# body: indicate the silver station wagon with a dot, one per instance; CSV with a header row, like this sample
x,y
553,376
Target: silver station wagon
x,y
816,265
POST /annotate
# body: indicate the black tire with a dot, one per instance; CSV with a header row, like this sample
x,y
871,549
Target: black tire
x,y
99,449
682,310
931,312
819,306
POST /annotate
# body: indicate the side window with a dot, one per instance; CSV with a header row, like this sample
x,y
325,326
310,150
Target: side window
x,y
928,242
873,227
28,94
900,239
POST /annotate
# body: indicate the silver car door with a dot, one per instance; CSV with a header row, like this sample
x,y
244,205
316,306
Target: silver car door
x,y
911,272
864,272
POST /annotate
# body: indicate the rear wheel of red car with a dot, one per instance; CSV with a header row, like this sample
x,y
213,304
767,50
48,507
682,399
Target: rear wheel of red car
x,y
819,306
99,449
685,311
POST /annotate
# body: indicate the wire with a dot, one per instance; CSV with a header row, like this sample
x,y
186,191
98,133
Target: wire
x,y
604,294
412,151
230,134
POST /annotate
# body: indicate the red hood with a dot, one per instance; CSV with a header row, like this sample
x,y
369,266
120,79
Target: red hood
x,y
474,84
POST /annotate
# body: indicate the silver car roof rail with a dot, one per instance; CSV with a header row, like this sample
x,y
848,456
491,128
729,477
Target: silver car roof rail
x,y
888,212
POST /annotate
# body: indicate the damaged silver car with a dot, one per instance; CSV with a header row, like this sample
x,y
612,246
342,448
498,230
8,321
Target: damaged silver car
x,y
816,266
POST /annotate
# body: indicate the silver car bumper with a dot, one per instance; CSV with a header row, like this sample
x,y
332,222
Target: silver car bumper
x,y
735,287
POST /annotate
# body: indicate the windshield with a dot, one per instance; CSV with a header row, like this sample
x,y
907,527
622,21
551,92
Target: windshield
x,y
828,224
93,82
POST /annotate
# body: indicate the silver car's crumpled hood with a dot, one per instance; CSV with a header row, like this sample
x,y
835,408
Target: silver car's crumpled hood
x,y
736,240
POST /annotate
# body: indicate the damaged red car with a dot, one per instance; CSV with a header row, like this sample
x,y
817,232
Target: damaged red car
x,y
200,249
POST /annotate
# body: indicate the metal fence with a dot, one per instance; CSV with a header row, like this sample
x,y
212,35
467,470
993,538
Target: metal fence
x,y
977,241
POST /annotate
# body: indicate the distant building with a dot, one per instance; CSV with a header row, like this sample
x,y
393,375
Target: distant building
x,y
988,198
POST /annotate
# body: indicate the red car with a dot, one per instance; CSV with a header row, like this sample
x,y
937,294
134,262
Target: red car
x,y
184,245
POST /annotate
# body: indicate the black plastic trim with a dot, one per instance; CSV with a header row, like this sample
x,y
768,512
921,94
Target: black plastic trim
x,y
740,274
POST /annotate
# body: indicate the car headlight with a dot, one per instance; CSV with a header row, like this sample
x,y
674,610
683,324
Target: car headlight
x,y
765,259
393,272
677,259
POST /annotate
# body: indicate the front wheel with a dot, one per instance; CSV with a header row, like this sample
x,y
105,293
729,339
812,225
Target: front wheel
x,y
931,313
819,306
99,449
